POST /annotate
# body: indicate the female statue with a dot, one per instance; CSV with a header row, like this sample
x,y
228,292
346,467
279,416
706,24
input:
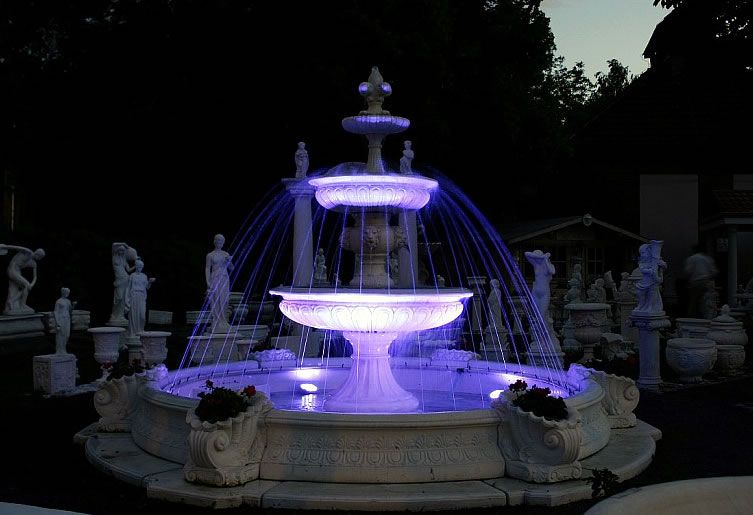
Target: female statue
x,y
62,313
121,255
218,265
18,285
135,299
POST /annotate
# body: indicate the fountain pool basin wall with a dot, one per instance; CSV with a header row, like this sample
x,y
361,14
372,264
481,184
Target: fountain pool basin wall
x,y
375,448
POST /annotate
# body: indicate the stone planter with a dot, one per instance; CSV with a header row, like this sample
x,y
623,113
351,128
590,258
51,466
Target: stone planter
x,y
730,359
244,347
690,358
160,317
725,330
228,452
106,346
116,402
589,320
692,327
621,397
154,346
536,449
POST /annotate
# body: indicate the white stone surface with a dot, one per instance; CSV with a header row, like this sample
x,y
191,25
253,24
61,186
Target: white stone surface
x,y
158,317
117,455
21,326
54,373
171,486
648,325
717,495
116,401
7,508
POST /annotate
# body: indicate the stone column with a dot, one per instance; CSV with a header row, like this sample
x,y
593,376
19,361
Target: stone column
x,y
303,250
731,265
408,255
476,284
648,325
627,330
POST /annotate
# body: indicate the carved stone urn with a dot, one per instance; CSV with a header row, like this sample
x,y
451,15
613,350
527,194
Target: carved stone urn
x,y
691,358
116,402
227,452
590,320
725,330
692,327
729,359
106,346
154,346
538,449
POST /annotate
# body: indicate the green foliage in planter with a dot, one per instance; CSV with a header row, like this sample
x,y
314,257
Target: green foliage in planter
x,y
625,367
538,401
124,368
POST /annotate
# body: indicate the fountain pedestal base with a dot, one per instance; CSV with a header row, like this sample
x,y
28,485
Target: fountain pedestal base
x,y
370,386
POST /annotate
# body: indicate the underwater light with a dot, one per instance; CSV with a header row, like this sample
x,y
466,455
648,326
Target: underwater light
x,y
308,387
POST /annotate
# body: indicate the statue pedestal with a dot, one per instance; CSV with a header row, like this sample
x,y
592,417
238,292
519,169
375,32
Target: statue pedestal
x,y
649,324
21,326
54,373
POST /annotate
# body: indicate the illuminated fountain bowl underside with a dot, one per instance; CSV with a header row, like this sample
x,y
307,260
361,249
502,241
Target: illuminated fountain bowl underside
x,y
305,443
370,190
371,311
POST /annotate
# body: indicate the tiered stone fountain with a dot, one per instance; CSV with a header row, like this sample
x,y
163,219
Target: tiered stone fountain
x,y
442,437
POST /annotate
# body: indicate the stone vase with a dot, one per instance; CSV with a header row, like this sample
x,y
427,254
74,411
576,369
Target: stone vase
x,y
730,359
154,346
621,397
692,327
590,320
116,402
691,358
725,330
228,452
106,346
536,449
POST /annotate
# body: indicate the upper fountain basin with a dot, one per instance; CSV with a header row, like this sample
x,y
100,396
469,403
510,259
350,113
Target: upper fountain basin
x,y
372,190
372,310
375,124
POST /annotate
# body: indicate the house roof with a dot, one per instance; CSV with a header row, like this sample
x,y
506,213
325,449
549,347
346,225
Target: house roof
x,y
526,230
734,202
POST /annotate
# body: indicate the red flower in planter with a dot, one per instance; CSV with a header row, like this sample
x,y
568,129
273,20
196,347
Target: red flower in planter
x,y
249,391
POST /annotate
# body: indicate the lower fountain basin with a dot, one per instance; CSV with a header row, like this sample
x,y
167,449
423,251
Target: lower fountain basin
x,y
455,437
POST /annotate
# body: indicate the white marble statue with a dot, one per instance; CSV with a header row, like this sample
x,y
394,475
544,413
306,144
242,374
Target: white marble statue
x,y
320,268
494,301
440,281
394,266
301,160
609,283
625,292
62,313
651,266
122,254
218,265
543,270
406,162
135,299
18,285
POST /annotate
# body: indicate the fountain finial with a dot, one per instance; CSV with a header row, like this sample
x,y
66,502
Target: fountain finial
x,y
375,90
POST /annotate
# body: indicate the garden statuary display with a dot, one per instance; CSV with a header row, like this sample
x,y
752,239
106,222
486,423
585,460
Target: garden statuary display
x,y
218,265
574,286
18,285
597,292
301,160
626,292
649,315
609,284
122,255
138,284
63,312
407,160
440,281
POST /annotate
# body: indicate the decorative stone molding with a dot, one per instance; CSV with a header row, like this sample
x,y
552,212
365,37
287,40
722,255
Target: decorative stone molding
x,y
536,449
401,191
274,355
228,452
154,346
116,402
452,358
621,396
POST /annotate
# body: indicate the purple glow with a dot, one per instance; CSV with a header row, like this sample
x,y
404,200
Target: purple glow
x,y
386,88
363,88
372,310
375,124
401,191
495,394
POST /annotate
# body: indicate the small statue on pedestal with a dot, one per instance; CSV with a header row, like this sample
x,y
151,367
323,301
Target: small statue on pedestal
x,y
320,268
138,284
406,162
651,266
301,160
62,313
18,285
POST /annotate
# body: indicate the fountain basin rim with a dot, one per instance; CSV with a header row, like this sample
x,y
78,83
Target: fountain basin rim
x,y
372,296
387,179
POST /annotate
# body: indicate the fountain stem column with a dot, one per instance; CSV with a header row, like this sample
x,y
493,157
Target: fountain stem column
x,y
303,249
374,163
408,256
370,386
